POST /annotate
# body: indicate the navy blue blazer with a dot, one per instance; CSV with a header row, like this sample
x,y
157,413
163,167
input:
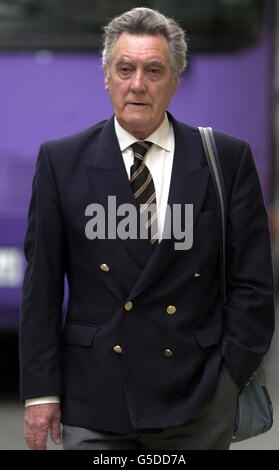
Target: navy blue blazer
x,y
120,361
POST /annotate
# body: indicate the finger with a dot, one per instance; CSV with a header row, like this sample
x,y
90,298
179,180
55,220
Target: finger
x,y
41,439
55,431
36,439
30,435
30,441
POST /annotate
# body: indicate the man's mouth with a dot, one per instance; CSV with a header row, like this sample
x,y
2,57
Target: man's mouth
x,y
137,104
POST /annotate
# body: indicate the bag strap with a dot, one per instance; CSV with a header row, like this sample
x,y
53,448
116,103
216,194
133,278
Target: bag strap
x,y
211,153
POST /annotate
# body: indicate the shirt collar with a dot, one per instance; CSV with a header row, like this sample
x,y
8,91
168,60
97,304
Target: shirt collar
x,y
161,136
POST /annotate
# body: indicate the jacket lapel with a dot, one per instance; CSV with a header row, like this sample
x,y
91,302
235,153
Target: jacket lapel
x,y
188,186
108,177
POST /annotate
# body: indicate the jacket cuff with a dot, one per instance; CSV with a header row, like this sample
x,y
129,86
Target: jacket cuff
x,y
241,361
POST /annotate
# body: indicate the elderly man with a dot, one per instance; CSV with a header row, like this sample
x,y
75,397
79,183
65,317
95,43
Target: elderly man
x,y
147,358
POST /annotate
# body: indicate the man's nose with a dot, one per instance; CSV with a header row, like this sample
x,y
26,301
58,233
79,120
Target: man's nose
x,y
138,82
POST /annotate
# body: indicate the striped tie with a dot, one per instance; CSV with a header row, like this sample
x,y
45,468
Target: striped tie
x,y
144,191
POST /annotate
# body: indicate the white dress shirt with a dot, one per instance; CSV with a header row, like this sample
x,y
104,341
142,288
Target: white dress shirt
x,y
159,160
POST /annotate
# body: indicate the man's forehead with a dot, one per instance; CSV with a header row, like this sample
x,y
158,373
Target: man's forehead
x,y
141,47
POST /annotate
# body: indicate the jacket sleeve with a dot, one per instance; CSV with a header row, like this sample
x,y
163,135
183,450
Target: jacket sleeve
x,y
249,312
43,287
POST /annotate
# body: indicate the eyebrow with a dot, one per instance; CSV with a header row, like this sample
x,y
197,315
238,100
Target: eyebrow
x,y
124,61
157,63
154,62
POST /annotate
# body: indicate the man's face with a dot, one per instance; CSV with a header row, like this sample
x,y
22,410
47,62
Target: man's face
x,y
140,82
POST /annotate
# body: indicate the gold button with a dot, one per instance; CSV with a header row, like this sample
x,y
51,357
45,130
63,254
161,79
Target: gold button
x,y
196,275
168,353
128,306
104,267
171,309
117,349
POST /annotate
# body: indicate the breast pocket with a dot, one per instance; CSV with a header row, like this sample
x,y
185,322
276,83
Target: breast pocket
x,y
208,227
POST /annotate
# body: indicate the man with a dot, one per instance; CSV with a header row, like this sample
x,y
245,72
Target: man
x,y
148,358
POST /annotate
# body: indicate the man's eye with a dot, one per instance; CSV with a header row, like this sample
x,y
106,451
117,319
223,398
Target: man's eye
x,y
125,70
155,72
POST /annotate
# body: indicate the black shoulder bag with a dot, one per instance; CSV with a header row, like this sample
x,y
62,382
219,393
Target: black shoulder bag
x,y
254,411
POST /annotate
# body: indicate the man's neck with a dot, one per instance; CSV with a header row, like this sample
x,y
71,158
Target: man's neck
x,y
141,134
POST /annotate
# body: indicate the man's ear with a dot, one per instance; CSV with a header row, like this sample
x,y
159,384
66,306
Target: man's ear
x,y
106,79
176,80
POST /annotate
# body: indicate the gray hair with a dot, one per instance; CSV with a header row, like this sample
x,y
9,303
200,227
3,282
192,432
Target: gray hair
x,y
140,21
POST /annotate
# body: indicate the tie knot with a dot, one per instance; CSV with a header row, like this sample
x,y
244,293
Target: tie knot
x,y
140,148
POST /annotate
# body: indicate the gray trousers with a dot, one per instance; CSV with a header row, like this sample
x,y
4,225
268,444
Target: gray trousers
x,y
211,429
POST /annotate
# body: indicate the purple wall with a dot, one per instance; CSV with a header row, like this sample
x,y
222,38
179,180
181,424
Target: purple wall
x,y
44,96
233,93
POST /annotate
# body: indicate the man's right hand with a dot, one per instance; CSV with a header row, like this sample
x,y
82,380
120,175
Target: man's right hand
x,y
38,419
